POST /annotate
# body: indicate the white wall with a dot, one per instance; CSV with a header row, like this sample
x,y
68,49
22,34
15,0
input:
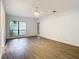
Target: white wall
x,y
30,23
2,23
2,27
62,27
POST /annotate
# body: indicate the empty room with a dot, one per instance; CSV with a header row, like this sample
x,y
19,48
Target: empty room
x,y
39,29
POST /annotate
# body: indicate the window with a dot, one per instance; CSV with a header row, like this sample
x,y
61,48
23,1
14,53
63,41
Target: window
x,y
17,28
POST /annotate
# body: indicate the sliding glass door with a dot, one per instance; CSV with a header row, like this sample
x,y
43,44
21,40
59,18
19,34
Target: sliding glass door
x,y
22,28
13,28
17,28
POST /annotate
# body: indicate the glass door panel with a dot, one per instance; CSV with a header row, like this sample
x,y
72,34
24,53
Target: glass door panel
x,y
13,28
22,28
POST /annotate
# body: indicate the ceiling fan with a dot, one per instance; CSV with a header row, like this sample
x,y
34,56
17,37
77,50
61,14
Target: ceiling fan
x,y
38,13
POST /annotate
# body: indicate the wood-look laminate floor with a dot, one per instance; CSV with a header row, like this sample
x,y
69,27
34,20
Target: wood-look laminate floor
x,y
39,48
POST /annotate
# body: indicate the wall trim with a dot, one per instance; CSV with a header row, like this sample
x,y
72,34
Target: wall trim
x,y
59,41
20,37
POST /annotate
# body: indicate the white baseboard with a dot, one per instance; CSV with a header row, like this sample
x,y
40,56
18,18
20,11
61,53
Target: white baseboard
x,y
1,51
55,39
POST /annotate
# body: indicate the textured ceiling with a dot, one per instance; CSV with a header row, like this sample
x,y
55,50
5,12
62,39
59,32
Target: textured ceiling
x,y
27,7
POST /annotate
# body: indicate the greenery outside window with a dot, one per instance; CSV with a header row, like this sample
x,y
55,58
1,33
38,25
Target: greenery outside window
x,y
17,28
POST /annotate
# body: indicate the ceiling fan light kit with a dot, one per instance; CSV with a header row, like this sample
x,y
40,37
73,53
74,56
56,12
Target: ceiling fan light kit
x,y
36,13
